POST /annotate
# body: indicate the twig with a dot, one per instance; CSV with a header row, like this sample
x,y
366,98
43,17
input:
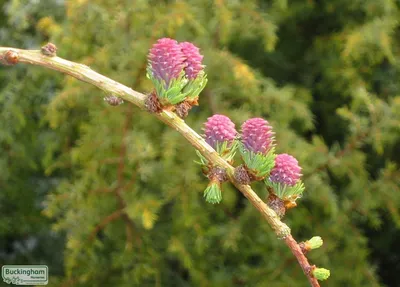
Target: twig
x,y
113,216
11,56
307,268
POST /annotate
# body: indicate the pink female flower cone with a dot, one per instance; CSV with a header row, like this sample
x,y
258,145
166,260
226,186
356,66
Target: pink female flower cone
x,y
257,148
220,133
166,60
286,170
177,74
284,179
193,60
219,129
257,135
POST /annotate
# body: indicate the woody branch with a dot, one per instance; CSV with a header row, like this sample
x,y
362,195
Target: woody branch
x,y
12,56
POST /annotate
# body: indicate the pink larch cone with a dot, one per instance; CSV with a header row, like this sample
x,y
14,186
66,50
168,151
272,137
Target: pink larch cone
x,y
219,129
257,135
193,60
286,170
167,60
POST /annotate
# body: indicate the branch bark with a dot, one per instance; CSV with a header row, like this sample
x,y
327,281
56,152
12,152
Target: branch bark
x,y
12,56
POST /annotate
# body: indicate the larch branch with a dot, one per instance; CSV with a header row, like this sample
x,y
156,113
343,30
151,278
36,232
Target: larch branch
x,y
11,56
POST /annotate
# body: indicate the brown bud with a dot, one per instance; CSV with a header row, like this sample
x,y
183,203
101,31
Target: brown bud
x,y
10,58
49,50
277,205
241,175
113,100
217,173
152,103
182,109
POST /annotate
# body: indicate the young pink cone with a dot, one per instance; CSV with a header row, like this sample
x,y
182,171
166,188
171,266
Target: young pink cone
x,y
286,170
285,179
194,71
220,133
193,60
166,60
257,149
219,129
177,73
257,135
166,71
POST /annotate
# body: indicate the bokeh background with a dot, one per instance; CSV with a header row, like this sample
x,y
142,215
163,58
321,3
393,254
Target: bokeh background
x,y
109,196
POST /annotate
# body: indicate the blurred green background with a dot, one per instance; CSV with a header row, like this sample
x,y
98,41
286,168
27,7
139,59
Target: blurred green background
x,y
109,196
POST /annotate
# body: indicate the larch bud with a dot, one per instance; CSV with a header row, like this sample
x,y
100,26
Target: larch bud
x,y
321,274
314,243
213,192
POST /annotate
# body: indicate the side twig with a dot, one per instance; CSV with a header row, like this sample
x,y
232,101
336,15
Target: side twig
x,y
113,216
11,56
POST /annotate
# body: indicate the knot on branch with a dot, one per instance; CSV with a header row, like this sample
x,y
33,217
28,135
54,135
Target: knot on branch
x,y
49,50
